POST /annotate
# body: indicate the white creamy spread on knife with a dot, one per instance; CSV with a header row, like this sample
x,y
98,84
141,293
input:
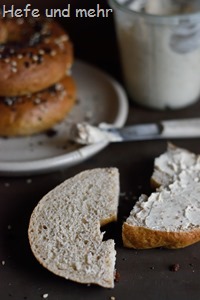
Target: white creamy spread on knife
x,y
86,134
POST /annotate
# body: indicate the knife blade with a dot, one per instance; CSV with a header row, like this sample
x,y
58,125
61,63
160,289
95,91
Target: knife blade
x,y
84,133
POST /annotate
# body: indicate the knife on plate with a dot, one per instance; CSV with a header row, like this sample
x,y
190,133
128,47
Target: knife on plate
x,y
84,133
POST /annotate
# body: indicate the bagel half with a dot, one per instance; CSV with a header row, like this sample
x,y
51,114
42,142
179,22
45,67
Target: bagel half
x,y
64,229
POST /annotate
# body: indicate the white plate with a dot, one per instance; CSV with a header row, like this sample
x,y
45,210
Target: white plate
x,y
100,99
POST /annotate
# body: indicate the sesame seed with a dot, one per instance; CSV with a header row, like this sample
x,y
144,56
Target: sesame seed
x,y
14,63
63,93
37,101
7,60
35,58
3,262
53,53
41,52
14,70
58,87
19,56
62,38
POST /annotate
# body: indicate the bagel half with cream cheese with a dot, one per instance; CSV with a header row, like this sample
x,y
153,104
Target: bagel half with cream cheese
x,y
169,217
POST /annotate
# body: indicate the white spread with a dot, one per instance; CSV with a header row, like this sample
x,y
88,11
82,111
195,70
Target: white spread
x,y
161,60
177,206
164,7
176,160
177,209
85,134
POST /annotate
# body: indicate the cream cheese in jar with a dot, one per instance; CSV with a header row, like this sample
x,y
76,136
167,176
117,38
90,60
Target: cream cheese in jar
x,y
159,43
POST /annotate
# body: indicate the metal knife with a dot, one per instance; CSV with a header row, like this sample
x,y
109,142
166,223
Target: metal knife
x,y
84,133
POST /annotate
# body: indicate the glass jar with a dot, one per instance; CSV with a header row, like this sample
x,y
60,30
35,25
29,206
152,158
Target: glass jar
x,y
160,51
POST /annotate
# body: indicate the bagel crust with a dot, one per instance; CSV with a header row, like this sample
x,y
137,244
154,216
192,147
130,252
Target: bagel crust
x,y
34,54
138,237
34,113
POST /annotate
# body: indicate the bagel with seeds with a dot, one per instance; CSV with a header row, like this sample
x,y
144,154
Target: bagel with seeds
x,y
34,54
34,113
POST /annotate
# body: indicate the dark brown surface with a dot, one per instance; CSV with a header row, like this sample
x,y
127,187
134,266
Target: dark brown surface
x,y
144,274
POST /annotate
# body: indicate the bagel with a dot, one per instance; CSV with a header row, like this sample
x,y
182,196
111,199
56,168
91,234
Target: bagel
x,y
34,113
34,54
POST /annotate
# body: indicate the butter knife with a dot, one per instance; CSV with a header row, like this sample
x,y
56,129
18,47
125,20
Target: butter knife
x,y
84,133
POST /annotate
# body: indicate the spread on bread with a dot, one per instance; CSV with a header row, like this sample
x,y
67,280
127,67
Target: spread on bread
x,y
169,217
35,57
64,228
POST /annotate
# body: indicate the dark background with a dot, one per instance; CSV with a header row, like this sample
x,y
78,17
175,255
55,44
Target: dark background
x,y
143,274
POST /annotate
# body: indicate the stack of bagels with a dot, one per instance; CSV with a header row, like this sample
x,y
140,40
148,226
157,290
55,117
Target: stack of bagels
x,y
35,91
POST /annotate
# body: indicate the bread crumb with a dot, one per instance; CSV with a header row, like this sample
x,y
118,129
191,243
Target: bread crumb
x,y
174,267
45,296
192,267
122,194
117,276
112,298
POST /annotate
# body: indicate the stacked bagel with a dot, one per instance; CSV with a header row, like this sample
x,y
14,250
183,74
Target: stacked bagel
x,y
35,91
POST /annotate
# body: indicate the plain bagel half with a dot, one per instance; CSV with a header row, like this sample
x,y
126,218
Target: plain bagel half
x,y
64,229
